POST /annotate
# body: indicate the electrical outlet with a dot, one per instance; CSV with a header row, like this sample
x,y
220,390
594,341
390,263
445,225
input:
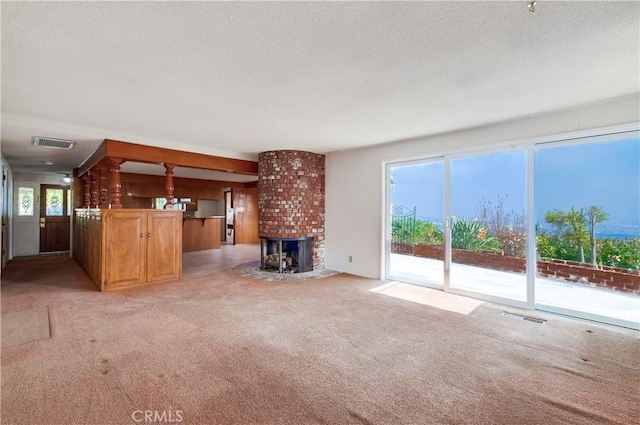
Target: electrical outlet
x,y
351,259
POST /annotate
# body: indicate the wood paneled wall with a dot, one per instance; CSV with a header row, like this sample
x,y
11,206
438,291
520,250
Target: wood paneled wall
x,y
148,186
245,203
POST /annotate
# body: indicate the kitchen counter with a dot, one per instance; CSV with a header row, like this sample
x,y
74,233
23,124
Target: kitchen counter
x,y
200,233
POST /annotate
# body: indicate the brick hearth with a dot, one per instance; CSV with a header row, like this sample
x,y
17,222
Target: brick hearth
x,y
291,198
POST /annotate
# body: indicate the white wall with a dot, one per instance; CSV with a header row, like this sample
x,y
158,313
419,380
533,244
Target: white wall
x,y
354,186
26,230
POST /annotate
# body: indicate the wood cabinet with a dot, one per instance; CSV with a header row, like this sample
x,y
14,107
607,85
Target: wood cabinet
x,y
121,248
87,242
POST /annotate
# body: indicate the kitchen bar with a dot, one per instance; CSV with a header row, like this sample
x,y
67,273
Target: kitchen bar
x,y
200,233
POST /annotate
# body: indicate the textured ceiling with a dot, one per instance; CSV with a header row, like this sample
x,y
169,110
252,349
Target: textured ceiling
x,y
238,78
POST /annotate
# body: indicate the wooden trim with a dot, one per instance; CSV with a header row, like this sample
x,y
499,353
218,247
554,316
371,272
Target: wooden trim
x,y
151,154
103,190
87,190
116,186
94,198
169,186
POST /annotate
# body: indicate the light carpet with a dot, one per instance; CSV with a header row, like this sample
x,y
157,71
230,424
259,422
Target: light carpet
x,y
20,327
226,350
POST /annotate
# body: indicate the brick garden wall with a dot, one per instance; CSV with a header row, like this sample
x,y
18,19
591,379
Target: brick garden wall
x,y
291,192
610,277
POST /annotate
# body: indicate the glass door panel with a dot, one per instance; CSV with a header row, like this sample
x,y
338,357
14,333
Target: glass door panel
x,y
488,225
587,207
55,223
416,252
54,202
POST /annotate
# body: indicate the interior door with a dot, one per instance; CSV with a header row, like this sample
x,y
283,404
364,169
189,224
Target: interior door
x,y
245,202
55,224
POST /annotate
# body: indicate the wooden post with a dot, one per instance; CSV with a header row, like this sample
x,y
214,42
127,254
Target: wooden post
x,y
169,185
87,190
94,188
116,186
102,187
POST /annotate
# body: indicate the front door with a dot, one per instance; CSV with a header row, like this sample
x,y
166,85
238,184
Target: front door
x,y
55,225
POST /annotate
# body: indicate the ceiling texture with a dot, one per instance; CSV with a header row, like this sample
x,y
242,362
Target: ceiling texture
x,y
238,78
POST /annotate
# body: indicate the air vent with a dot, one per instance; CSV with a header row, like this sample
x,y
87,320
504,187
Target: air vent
x,y
53,143
521,317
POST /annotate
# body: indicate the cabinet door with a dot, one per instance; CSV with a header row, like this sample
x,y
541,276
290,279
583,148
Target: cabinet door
x,y
164,249
126,242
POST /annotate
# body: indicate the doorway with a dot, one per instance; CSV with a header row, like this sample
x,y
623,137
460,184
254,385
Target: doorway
x,y
228,233
55,222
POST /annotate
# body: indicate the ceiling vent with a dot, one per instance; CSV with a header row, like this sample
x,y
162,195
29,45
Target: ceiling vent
x,y
53,143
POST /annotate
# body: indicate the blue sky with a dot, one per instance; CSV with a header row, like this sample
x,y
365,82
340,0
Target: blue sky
x,y
605,174
602,174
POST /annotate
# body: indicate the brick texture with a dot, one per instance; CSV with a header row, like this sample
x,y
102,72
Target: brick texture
x,y
291,192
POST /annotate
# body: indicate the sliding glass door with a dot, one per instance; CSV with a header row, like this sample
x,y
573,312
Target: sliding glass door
x,y
488,225
416,249
587,207
553,226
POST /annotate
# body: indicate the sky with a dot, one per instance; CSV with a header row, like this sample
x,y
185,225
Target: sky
x,y
604,174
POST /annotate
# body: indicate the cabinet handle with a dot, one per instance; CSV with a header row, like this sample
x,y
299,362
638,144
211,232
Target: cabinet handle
x,y
148,235
142,235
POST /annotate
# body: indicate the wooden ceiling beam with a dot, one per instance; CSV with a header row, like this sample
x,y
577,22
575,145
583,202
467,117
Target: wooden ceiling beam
x,y
155,155
151,154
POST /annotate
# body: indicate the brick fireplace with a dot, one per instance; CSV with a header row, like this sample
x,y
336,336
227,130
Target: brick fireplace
x,y
291,198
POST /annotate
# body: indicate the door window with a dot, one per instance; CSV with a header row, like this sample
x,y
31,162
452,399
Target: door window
x,y
54,202
25,201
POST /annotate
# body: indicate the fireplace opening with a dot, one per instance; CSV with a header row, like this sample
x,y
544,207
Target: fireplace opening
x,y
286,255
